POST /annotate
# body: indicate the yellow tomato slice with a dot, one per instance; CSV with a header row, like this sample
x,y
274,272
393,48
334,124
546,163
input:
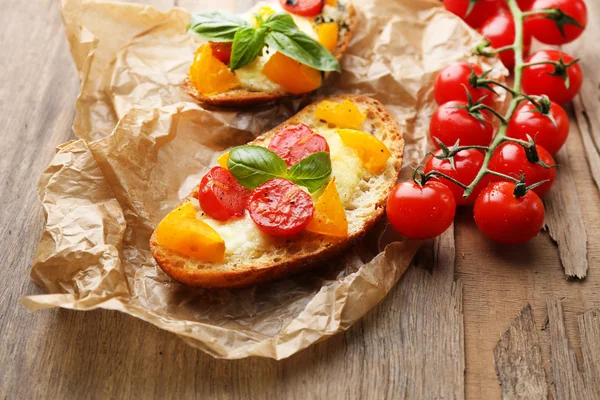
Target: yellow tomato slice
x,y
328,34
223,159
264,12
209,75
343,115
181,232
296,78
373,153
329,217
332,3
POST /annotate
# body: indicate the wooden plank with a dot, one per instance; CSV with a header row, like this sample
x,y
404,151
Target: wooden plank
x,y
564,219
567,381
431,334
518,360
589,331
586,107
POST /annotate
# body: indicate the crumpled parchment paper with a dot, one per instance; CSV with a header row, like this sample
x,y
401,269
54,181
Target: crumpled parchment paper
x,y
143,144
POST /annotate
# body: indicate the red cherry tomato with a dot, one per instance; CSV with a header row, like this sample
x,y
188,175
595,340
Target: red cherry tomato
x,y
510,159
296,142
421,212
280,208
449,84
449,124
547,30
482,10
305,8
467,164
525,5
527,120
502,217
220,196
500,31
222,50
539,79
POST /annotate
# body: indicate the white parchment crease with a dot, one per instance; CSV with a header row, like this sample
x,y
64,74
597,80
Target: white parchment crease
x,y
143,144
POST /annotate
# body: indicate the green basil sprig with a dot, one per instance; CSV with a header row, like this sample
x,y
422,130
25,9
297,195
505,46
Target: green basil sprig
x,y
251,166
278,31
216,26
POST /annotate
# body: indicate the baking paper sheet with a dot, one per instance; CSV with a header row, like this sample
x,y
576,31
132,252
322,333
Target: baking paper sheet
x,y
143,144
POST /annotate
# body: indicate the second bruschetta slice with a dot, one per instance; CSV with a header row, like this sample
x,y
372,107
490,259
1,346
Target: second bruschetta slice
x,y
276,49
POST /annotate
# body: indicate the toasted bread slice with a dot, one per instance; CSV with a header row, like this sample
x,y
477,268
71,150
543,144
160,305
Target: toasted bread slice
x,y
285,256
244,97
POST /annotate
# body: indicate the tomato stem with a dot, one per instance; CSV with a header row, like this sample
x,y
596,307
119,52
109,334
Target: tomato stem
x,y
502,85
490,109
442,175
500,137
501,175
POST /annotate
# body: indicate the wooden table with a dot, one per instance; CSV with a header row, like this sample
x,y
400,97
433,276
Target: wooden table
x,y
410,345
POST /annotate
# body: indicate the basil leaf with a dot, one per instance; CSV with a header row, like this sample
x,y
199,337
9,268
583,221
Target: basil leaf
x,y
251,166
280,22
247,45
312,172
304,49
219,27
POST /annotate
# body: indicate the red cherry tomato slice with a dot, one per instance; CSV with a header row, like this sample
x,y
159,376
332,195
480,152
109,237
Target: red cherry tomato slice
x,y
222,51
280,208
482,10
527,120
508,220
449,124
539,79
296,142
467,164
421,212
305,8
500,31
510,159
547,30
220,196
451,82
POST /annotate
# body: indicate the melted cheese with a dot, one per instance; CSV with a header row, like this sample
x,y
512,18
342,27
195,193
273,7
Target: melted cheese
x,y
241,235
346,166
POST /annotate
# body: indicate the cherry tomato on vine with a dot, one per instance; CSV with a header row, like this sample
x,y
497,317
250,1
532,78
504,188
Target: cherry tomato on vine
x,y
220,196
467,164
525,5
305,8
511,159
502,217
550,79
280,208
421,212
549,131
563,29
222,51
500,31
480,12
451,82
452,121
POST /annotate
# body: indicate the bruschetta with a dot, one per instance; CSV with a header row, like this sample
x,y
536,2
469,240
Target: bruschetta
x,y
297,195
276,49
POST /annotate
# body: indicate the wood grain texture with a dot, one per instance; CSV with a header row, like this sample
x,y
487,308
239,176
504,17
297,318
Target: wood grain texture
x,y
431,336
518,360
564,219
567,381
60,354
587,112
589,331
